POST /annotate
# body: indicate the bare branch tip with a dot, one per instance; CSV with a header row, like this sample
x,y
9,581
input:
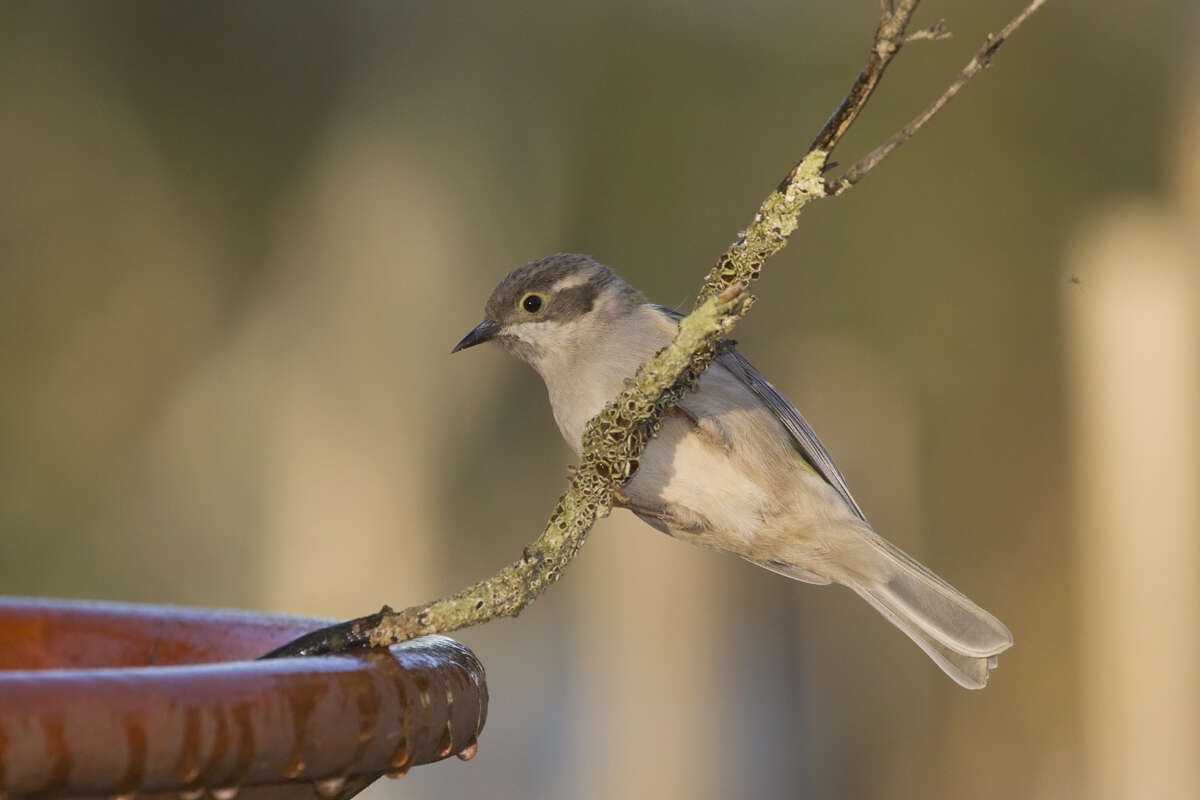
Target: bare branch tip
x,y
977,64
935,32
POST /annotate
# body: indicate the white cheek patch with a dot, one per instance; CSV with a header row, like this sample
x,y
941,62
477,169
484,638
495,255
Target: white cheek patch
x,y
522,331
547,334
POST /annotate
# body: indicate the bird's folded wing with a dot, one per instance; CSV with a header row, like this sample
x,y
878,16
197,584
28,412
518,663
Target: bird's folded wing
x,y
805,439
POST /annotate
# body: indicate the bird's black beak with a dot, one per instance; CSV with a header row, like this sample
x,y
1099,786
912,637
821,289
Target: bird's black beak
x,y
483,332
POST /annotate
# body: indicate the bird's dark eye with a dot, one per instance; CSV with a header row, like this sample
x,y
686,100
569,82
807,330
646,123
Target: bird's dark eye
x,y
532,303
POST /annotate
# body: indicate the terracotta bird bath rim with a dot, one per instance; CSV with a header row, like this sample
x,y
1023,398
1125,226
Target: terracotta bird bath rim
x,y
118,700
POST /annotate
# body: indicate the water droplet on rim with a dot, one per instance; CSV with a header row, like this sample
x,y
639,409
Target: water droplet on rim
x,y
330,787
469,752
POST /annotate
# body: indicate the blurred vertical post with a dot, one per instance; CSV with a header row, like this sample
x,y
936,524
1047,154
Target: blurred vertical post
x,y
1133,356
646,679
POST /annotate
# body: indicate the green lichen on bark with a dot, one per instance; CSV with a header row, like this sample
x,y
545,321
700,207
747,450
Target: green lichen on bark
x,y
773,224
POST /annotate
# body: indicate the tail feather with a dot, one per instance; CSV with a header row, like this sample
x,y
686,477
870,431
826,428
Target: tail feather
x,y
937,607
969,672
958,635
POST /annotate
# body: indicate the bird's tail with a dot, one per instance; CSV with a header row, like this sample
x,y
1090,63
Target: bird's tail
x,y
958,635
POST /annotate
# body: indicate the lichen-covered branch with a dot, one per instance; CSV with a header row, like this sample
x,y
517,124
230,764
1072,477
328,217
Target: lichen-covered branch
x,y
614,440
778,214
769,231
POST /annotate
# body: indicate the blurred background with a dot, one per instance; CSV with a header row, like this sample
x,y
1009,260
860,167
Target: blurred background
x,y
237,241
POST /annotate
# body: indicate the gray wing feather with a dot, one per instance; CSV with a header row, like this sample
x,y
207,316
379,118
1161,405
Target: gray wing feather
x,y
805,439
653,522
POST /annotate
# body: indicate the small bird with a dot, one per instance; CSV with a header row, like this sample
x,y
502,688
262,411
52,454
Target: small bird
x,y
734,467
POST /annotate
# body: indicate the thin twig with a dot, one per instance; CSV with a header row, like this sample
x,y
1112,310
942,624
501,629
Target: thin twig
x,y
935,32
614,440
976,65
889,37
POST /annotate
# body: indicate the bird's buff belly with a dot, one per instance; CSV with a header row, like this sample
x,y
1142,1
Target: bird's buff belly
x,y
683,471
